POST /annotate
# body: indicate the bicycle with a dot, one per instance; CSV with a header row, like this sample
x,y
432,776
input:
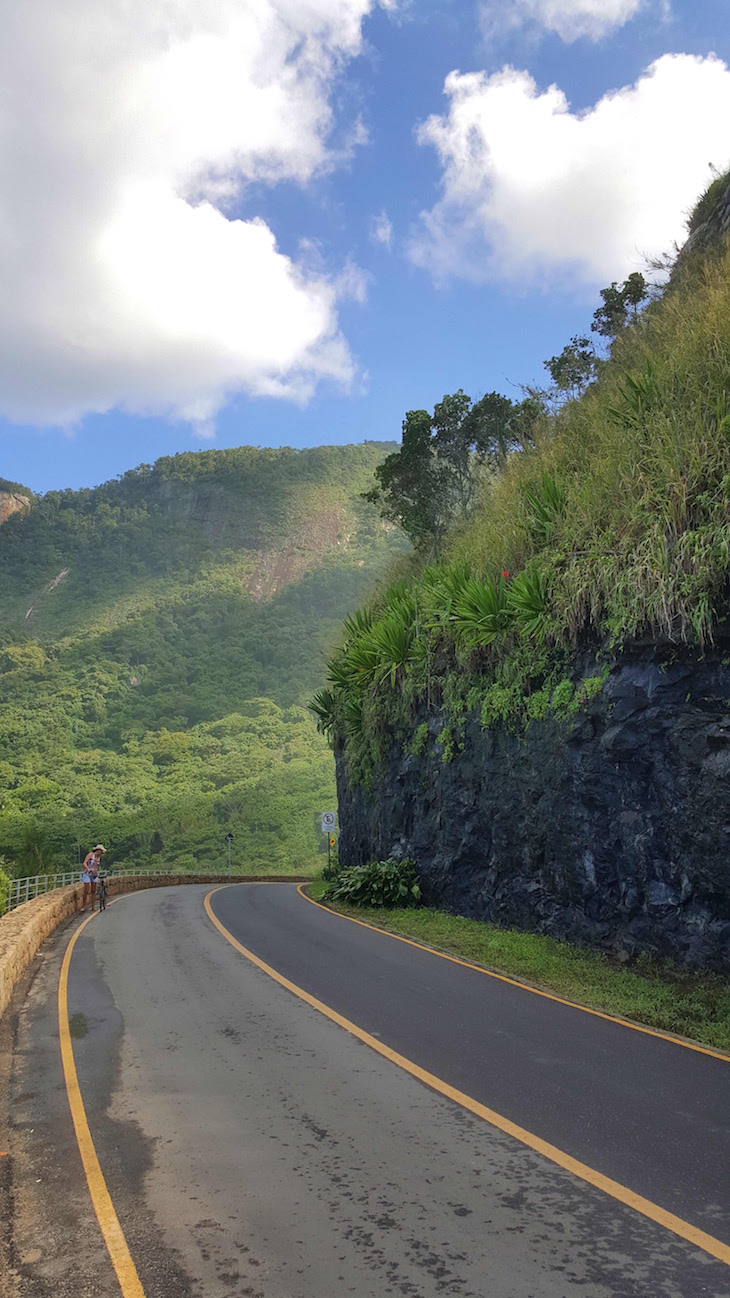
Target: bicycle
x,y
102,891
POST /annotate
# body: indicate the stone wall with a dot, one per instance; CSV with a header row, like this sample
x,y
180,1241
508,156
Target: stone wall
x,y
611,830
24,929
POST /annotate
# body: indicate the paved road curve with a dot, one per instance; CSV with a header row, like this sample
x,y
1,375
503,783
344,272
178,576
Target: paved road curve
x,y
254,1149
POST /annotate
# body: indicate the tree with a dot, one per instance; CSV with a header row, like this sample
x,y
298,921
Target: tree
x,y
455,438
409,488
618,300
575,367
435,476
635,291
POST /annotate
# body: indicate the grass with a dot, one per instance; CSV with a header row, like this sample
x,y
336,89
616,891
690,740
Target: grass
x,y
634,479
708,202
643,459
657,994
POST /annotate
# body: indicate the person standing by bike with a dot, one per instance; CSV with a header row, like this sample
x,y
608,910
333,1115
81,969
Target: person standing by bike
x,y
92,862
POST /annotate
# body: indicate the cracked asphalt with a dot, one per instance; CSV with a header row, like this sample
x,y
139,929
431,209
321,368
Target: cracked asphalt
x,y
254,1149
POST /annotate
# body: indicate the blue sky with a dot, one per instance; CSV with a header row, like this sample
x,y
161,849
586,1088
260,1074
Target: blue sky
x,y
125,215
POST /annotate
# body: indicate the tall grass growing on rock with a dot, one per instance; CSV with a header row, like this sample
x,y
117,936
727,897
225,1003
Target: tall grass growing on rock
x,y
613,525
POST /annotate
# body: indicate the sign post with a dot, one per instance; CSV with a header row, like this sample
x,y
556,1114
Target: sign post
x,y
229,840
328,824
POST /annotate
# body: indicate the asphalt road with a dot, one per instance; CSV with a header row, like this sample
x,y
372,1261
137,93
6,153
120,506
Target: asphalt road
x,y
255,1149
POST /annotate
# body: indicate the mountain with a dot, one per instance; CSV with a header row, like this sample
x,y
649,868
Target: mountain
x,y
160,636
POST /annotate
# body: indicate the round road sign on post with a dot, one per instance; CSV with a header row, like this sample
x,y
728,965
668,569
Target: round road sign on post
x,y
328,822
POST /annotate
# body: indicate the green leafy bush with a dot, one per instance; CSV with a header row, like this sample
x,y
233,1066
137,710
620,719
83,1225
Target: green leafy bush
x,y
390,883
4,888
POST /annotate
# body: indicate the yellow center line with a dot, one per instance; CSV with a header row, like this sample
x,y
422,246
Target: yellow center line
x,y
525,987
645,1207
129,1281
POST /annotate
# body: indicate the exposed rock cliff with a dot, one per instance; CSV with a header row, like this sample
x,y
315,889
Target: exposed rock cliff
x,y
612,829
11,502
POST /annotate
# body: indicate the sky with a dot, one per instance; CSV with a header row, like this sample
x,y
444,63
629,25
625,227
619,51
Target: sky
x,y
287,222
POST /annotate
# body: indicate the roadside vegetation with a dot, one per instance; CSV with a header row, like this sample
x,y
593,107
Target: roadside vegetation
x,y
654,993
600,513
390,885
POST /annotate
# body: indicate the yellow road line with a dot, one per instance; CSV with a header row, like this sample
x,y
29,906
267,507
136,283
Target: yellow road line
x,y
525,987
129,1281
620,1192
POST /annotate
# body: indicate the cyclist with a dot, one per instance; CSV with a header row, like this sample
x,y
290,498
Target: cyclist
x,y
92,862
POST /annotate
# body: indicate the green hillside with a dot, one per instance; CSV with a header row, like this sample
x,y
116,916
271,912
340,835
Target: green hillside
x,y
611,524
159,638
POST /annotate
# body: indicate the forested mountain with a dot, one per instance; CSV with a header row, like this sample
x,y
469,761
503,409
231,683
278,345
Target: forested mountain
x,y
159,638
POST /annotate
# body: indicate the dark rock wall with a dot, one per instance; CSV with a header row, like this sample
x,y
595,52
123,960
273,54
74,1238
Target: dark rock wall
x,y
612,829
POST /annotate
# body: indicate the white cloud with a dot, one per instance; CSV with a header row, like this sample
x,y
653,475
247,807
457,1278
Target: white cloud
x,y
127,133
381,230
530,189
569,19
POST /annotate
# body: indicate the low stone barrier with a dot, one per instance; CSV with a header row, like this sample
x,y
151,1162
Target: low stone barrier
x,y
24,929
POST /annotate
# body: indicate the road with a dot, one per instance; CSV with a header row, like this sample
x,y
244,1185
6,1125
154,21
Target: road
x,y
255,1148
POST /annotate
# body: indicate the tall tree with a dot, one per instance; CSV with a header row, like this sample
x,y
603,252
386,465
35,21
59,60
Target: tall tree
x,y
409,485
618,302
575,367
435,477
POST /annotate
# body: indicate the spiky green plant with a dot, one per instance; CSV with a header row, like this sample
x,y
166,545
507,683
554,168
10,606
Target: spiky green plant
x,y
527,600
323,705
547,504
358,623
392,637
638,395
480,611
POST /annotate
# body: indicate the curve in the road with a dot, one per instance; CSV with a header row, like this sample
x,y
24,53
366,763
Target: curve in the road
x,y
514,982
684,1229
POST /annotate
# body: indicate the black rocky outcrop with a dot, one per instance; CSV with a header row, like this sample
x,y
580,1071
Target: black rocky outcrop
x,y
612,829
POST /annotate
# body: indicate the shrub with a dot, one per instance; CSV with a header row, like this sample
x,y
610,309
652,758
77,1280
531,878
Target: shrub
x,y
4,888
392,884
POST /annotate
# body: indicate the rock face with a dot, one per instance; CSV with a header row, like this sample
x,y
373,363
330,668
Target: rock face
x,y
717,225
12,503
611,830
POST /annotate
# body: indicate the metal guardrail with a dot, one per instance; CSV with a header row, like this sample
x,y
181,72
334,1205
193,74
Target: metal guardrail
x,y
22,890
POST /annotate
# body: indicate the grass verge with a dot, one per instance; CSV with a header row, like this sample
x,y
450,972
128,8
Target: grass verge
x,y
657,994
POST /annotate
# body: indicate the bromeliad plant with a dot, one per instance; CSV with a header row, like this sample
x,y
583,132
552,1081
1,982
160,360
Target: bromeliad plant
x,y
527,600
481,611
382,649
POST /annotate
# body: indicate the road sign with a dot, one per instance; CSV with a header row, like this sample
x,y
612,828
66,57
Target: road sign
x,y
328,822
333,841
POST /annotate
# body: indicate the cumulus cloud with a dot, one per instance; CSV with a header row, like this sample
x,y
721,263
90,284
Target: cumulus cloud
x,y
568,19
128,134
531,189
381,230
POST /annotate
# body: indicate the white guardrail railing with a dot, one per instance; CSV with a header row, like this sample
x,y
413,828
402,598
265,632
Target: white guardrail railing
x,y
27,889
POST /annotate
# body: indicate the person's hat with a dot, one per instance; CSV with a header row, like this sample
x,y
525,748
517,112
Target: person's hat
x,y
100,847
